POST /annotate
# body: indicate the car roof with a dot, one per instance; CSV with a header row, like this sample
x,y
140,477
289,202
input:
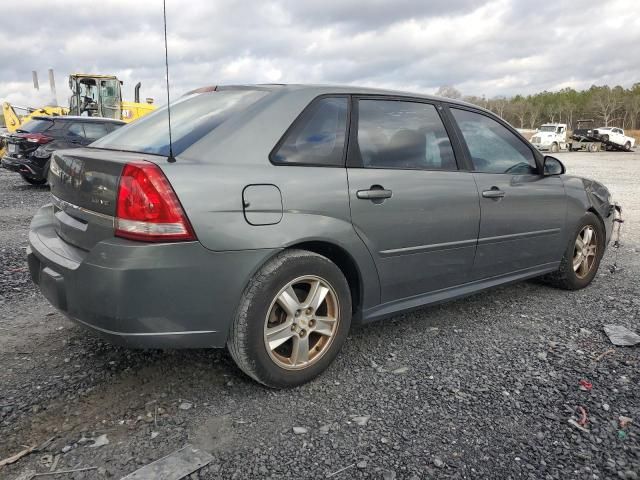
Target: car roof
x,y
76,118
337,89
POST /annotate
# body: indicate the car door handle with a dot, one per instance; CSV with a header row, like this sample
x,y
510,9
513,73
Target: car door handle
x,y
374,193
493,193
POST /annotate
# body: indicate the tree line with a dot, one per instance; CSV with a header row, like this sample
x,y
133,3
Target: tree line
x,y
607,106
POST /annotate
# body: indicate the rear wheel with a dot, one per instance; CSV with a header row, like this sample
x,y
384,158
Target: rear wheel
x,y
34,181
593,147
292,321
582,256
605,138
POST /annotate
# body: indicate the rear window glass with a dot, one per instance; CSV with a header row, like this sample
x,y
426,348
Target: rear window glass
x,y
93,131
35,126
192,118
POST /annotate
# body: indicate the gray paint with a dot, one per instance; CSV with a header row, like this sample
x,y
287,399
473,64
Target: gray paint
x,y
434,239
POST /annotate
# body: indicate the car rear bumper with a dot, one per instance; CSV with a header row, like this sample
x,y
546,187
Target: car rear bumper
x,y
24,166
173,295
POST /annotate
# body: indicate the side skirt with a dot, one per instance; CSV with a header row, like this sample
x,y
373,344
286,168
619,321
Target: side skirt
x,y
396,307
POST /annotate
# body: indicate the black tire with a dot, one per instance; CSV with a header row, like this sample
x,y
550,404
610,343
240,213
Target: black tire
x,y
34,181
565,277
246,341
554,147
627,147
605,138
593,147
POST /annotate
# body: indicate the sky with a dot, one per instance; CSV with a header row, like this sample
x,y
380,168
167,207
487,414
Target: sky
x,y
490,48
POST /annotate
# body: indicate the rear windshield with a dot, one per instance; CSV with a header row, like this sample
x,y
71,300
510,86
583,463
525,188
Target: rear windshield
x,y
192,118
35,126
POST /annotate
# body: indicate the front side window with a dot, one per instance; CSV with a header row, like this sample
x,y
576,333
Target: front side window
x,y
403,135
318,135
493,148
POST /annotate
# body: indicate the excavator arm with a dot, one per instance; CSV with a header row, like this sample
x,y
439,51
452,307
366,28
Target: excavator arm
x,y
11,118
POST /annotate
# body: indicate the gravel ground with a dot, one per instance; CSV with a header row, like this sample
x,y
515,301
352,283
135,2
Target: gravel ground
x,y
483,387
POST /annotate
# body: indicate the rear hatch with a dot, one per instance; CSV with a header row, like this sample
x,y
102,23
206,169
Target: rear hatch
x,y
84,188
28,138
85,181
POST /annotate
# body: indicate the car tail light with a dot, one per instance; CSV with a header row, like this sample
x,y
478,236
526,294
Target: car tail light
x,y
37,138
147,208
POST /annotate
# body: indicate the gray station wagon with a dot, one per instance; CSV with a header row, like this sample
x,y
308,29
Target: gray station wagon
x,y
281,215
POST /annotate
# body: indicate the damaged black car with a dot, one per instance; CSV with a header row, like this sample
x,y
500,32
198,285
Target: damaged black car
x,y
29,148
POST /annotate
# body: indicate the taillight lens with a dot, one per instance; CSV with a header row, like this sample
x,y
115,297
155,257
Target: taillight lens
x,y
37,138
147,208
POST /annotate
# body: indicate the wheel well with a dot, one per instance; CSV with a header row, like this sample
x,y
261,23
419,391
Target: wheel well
x,y
345,263
599,217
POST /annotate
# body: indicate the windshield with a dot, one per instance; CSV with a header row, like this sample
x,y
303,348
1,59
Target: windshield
x,y
35,126
192,118
547,128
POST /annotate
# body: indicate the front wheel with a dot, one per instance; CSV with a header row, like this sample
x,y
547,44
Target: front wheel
x,y
627,146
554,148
293,319
582,256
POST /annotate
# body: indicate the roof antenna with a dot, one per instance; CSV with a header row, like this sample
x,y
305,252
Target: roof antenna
x,y
170,158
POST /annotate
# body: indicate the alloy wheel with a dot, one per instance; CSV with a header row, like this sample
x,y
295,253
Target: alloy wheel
x,y
302,322
584,252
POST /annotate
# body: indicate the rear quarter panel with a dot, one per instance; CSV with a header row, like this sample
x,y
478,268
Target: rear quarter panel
x,y
210,177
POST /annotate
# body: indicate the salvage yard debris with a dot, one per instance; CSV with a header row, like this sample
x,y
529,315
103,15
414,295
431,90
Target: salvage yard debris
x,y
621,336
585,385
17,456
174,466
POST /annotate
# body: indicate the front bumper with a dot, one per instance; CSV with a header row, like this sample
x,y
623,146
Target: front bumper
x,y
172,295
25,166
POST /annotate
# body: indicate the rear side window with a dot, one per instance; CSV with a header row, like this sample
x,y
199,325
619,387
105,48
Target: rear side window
x,y
36,126
93,131
493,148
403,135
317,137
192,117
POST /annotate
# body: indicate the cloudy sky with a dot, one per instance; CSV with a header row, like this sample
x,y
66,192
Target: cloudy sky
x,y
495,47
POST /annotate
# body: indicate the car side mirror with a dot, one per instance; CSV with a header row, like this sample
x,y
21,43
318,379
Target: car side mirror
x,y
553,166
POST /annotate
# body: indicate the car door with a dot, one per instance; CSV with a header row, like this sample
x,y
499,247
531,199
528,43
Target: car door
x,y
618,136
415,210
522,211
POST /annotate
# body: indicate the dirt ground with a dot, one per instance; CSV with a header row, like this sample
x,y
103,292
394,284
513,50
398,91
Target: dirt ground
x,y
483,387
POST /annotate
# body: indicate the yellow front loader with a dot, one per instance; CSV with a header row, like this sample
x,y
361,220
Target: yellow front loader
x,y
91,95
13,119
101,96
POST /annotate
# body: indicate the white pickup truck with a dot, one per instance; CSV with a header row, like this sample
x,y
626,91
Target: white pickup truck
x,y
550,136
614,135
